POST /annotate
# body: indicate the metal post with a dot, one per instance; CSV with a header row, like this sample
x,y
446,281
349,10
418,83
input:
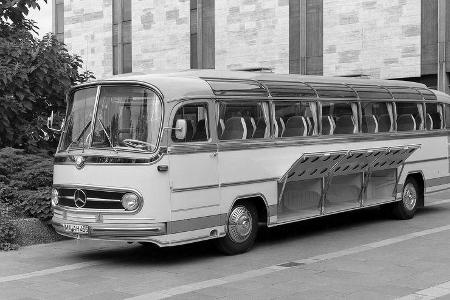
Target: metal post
x,y
443,23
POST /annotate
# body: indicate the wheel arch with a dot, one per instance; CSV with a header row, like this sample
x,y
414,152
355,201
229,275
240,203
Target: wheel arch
x,y
420,179
260,202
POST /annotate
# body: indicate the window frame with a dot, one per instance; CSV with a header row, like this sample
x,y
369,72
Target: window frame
x,y
304,100
422,103
394,116
438,104
208,121
219,101
359,116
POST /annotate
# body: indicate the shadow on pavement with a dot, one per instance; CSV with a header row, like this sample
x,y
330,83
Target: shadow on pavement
x,y
136,254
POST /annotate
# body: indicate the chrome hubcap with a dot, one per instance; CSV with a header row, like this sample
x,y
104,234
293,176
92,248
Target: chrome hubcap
x,y
239,224
409,196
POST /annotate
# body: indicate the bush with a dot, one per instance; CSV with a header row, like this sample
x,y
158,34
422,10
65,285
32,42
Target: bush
x,y
25,183
7,233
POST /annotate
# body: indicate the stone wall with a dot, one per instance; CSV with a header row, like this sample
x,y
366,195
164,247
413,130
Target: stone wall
x,y
252,33
161,35
88,33
380,38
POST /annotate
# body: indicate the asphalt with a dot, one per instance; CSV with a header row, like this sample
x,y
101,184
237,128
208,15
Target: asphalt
x,y
354,255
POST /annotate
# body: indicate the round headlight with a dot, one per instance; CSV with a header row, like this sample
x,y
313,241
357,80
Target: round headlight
x,y
54,197
130,201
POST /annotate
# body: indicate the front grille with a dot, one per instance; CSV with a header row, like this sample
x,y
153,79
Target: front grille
x,y
95,199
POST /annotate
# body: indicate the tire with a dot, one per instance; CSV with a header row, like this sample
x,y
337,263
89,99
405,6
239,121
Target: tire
x,y
406,208
241,230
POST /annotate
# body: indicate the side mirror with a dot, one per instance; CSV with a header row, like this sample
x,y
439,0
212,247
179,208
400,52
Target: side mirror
x,y
50,123
180,129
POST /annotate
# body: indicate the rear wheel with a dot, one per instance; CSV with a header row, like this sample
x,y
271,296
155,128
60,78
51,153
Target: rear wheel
x,y
406,208
242,227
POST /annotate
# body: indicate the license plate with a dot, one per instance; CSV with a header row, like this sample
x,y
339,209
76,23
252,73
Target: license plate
x,y
75,228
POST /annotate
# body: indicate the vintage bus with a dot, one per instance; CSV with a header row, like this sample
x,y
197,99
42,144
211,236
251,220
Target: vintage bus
x,y
182,157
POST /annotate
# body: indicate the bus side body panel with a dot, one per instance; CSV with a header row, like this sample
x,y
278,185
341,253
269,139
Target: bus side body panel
x,y
241,169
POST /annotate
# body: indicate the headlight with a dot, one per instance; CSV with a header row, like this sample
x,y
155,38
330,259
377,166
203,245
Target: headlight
x,y
130,201
54,197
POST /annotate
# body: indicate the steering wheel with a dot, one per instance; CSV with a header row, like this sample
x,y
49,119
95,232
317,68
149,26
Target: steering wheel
x,y
137,144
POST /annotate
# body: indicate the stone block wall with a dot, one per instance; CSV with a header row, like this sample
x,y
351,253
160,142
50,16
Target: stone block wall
x,y
380,38
161,35
88,33
252,33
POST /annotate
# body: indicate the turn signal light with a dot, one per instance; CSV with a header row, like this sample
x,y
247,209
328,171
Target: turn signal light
x,y
54,197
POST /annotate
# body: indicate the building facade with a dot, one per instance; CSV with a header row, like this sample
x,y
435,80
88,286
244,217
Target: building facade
x,y
389,39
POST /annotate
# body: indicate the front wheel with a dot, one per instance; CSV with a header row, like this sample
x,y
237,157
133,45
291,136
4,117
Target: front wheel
x,y
242,227
406,208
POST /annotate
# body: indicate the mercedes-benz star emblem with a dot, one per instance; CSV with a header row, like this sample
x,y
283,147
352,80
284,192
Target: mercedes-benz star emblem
x,y
80,199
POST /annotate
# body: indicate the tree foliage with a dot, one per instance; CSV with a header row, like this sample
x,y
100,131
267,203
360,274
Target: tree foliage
x,y
35,75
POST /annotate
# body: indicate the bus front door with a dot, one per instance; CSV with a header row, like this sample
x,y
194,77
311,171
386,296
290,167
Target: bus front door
x,y
194,185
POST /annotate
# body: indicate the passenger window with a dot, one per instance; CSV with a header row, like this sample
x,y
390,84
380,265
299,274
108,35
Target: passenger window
x,y
295,119
377,117
242,121
196,116
434,116
447,116
409,116
339,118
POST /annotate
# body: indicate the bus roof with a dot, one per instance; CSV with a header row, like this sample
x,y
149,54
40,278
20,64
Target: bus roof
x,y
232,84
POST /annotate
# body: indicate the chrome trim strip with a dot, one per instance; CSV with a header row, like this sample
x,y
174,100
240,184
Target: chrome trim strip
x,y
237,145
426,160
228,184
93,199
222,185
194,188
189,148
193,208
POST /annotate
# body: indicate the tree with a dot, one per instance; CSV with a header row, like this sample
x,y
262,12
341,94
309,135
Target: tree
x,y
35,75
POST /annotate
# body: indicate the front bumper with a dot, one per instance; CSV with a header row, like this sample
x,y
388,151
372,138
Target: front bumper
x,y
114,231
124,228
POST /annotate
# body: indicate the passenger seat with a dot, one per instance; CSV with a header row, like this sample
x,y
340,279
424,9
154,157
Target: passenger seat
x,y
370,124
235,129
345,125
406,122
296,126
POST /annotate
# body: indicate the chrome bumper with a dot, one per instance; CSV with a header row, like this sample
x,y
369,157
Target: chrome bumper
x,y
123,232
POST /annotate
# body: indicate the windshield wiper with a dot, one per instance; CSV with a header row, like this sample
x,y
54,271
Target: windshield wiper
x,y
107,136
79,136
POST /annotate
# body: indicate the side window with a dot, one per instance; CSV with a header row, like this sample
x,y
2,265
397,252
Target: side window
x,y
410,116
447,116
434,116
377,117
339,118
242,121
196,116
295,119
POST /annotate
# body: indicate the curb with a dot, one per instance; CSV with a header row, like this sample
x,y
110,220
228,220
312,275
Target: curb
x,y
32,231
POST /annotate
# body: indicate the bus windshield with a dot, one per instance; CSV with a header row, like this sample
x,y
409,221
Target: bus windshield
x,y
127,118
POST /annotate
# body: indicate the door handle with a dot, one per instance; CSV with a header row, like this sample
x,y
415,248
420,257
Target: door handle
x,y
213,155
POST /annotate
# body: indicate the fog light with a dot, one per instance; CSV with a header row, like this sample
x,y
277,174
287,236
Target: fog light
x,y
130,201
55,197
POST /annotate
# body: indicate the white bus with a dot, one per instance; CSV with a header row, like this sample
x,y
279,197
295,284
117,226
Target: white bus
x,y
176,158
